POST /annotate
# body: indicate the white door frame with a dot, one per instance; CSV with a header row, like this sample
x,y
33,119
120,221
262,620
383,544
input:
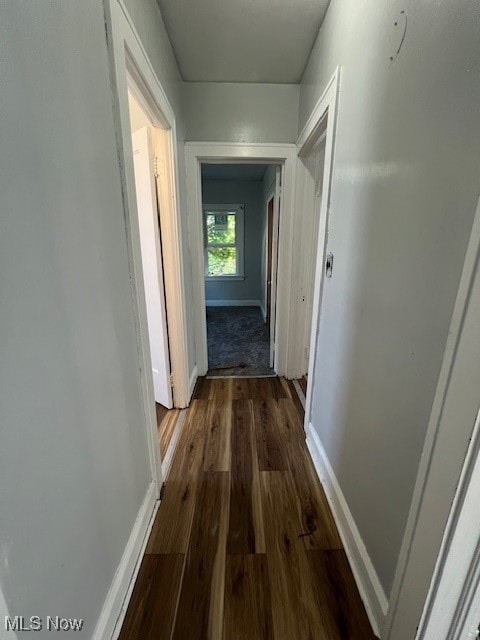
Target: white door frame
x,y
268,197
152,262
274,345
127,56
453,606
313,131
424,568
243,153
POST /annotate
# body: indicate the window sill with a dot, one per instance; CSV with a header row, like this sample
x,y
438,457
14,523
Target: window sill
x,y
224,278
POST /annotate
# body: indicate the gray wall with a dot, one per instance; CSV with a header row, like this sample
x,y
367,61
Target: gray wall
x,y
248,193
74,465
244,112
404,191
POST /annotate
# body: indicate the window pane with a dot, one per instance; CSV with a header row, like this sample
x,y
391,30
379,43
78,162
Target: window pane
x,y
222,261
220,228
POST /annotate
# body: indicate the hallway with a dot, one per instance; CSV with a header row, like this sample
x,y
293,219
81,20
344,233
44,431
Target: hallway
x,y
244,545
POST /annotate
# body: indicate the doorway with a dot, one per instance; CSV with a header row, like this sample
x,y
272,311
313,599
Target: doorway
x,y
144,142
284,156
268,305
316,145
134,76
313,164
240,264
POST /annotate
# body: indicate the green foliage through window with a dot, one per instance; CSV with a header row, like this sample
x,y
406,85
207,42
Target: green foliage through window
x,y
220,236
222,261
221,228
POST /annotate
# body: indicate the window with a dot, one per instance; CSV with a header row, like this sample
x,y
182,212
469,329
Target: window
x,y
223,233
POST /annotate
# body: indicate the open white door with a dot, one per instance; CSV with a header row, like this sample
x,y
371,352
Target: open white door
x,y
276,219
152,265
315,164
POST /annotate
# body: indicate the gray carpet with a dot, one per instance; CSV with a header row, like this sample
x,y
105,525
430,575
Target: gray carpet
x,y
237,339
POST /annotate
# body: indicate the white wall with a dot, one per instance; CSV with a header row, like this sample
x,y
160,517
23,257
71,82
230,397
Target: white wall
x,y
240,112
74,464
149,24
405,184
248,193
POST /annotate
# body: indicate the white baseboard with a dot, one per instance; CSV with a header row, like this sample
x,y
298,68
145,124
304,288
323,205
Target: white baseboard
x,y
233,303
368,583
192,382
116,603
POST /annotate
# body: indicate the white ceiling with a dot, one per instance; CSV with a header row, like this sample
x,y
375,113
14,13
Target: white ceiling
x,y
233,171
242,40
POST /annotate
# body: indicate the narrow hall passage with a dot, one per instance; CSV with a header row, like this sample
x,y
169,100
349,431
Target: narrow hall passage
x,y
244,545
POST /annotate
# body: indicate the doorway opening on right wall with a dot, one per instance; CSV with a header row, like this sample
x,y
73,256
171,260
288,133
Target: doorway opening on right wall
x,y
313,164
315,150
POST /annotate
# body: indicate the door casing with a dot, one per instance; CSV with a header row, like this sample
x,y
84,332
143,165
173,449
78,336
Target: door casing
x,y
132,71
151,248
269,254
320,126
283,155
418,606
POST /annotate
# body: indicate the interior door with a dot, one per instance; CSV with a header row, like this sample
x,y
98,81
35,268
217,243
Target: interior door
x,y
274,265
321,201
152,265
315,163
268,310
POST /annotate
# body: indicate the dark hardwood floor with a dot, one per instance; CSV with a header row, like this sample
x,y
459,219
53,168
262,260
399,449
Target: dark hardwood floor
x,y
244,546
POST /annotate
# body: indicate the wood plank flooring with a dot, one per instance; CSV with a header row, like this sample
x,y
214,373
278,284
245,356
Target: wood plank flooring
x,y
244,546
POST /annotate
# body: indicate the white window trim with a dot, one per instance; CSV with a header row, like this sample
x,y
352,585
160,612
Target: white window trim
x,y
239,240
